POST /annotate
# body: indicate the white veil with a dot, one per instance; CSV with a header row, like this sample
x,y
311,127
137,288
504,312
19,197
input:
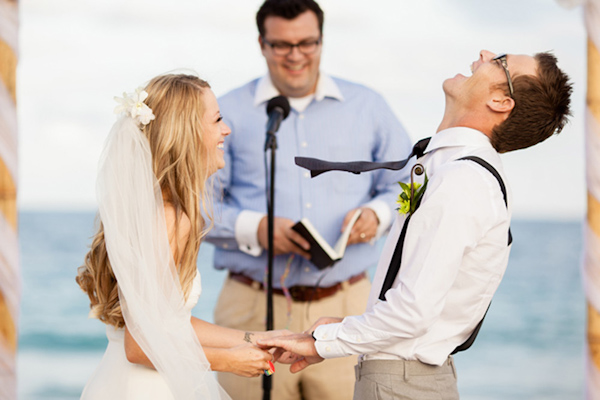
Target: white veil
x,y
131,211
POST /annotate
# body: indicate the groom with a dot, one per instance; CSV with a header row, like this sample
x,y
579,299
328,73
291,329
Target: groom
x,y
454,252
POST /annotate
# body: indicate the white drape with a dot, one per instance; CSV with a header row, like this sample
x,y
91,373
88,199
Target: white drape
x,y
590,266
10,283
9,16
591,261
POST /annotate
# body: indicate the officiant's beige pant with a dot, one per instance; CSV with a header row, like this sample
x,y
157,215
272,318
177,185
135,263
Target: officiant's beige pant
x,y
243,307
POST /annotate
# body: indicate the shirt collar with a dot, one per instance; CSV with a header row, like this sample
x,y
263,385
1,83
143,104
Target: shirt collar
x,y
458,136
326,87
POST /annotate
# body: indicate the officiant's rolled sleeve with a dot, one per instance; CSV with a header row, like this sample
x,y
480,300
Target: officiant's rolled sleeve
x,y
246,228
384,215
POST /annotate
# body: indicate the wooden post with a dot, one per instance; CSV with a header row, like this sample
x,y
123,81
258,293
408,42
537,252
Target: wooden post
x,y
593,205
8,212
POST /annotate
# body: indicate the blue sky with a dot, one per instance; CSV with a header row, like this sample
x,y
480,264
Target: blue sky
x,y
75,55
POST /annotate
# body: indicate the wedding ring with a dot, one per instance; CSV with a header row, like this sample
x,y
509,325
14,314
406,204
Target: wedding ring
x,y
363,235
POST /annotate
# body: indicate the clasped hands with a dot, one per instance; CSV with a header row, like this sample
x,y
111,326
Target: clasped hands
x,y
297,349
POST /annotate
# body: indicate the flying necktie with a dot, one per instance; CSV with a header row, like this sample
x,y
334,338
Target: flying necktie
x,y
317,166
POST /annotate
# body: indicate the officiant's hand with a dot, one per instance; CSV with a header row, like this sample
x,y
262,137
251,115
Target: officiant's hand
x,y
365,228
285,239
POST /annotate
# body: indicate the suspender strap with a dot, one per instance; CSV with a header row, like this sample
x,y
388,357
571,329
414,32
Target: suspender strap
x,y
472,337
394,267
396,261
493,171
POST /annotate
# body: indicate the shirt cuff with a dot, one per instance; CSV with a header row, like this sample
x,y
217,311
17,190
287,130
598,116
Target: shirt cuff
x,y
327,344
246,228
384,215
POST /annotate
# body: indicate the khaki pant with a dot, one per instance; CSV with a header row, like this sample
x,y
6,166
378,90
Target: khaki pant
x,y
405,380
243,307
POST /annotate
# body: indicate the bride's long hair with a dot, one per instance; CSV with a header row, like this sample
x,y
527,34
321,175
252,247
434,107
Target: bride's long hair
x,y
182,166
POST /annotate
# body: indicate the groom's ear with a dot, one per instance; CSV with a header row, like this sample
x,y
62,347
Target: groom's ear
x,y
500,103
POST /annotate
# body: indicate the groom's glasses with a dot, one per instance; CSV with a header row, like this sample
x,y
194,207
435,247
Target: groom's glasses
x,y
502,59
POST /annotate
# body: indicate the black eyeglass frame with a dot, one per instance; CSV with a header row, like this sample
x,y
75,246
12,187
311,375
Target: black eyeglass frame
x,y
272,45
504,63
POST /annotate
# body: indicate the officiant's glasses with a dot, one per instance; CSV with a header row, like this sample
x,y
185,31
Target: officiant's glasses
x,y
502,59
306,47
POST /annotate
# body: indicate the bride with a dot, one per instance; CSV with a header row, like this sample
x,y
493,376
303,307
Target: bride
x,y
140,273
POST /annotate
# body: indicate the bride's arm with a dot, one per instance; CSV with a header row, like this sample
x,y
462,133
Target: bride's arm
x,y
226,349
244,360
219,336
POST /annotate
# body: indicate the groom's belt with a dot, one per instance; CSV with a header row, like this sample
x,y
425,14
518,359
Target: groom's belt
x,y
300,293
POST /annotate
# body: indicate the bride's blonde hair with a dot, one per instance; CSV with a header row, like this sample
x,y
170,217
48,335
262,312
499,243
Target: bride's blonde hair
x,y
182,166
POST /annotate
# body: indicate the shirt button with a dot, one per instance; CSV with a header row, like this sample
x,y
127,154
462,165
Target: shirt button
x,y
306,269
325,336
304,144
328,348
301,116
308,205
307,174
225,246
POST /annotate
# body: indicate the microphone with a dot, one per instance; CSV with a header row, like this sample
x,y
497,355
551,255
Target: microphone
x,y
278,108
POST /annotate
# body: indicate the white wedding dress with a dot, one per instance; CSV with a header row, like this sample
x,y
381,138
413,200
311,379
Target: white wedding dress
x,y
118,379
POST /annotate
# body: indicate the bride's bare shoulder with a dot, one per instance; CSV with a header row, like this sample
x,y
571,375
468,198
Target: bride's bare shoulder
x,y
184,223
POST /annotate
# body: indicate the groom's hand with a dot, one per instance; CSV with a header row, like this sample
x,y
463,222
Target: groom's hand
x,y
254,337
300,344
279,355
323,321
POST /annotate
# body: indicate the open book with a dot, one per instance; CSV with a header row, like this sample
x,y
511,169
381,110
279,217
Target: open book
x,y
322,255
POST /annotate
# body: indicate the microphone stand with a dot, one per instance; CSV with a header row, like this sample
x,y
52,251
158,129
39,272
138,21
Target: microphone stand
x,y
271,143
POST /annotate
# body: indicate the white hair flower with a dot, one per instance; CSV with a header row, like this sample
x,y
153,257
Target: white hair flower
x,y
133,105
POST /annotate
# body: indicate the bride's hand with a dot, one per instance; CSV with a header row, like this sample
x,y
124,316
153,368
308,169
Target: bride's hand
x,y
247,360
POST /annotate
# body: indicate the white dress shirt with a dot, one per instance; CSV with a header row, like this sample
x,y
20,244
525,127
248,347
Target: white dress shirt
x,y
454,257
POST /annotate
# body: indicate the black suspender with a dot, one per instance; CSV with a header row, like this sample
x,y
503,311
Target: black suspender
x,y
493,171
396,260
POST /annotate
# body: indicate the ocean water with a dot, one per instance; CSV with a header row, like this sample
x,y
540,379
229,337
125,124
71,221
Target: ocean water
x,y
530,346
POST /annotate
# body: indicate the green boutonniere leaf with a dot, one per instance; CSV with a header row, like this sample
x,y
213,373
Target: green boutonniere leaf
x,y
408,201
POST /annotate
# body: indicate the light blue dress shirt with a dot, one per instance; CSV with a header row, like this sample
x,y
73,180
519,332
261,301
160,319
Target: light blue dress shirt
x,y
343,122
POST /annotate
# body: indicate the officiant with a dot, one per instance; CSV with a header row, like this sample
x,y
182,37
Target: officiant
x,y
330,118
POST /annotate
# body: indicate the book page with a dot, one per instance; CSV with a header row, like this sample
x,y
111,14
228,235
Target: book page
x,y
340,246
318,239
